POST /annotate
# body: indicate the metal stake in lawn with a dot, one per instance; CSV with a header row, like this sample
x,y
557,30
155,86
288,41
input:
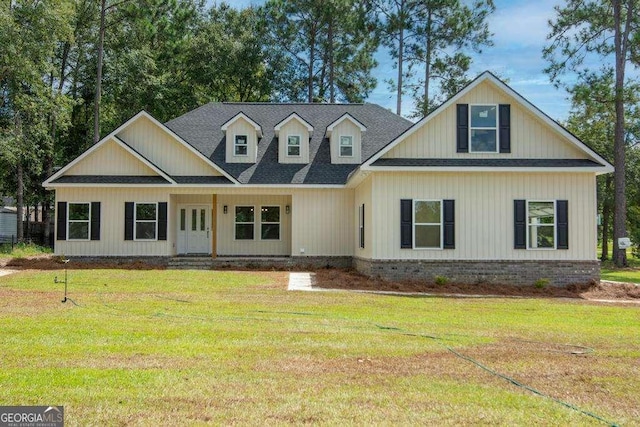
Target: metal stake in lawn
x,y
55,280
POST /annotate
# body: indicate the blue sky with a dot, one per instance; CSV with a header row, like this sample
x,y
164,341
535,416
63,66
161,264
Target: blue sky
x,y
520,28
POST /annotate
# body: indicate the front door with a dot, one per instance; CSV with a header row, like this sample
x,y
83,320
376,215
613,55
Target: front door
x,y
194,229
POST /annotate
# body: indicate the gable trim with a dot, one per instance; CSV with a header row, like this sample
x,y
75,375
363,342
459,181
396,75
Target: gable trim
x,y
488,76
113,134
242,115
143,159
290,117
345,116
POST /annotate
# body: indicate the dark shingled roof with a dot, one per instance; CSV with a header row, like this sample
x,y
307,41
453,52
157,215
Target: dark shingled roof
x,y
110,179
201,129
505,163
188,179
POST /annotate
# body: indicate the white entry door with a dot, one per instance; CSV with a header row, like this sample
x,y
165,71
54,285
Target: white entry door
x,y
194,229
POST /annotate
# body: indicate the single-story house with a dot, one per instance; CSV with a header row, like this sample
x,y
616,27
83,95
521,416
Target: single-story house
x,y
485,188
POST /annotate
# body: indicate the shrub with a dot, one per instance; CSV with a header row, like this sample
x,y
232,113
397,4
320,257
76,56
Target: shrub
x,y
441,280
541,283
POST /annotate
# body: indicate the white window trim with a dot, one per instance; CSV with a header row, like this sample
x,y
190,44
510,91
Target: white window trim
x,y
441,224
135,221
340,145
299,146
361,226
236,222
235,144
279,223
75,220
496,128
555,225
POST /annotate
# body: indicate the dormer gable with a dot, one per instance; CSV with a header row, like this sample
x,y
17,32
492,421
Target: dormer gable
x,y
294,134
241,136
345,139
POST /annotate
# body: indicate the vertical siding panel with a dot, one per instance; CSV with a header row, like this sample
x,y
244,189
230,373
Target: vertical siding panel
x,y
531,138
484,220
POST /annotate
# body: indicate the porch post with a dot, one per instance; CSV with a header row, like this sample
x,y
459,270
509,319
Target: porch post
x,y
214,225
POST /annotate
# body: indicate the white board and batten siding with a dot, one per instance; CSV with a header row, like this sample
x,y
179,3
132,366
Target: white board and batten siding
x,y
484,223
111,159
112,241
240,126
294,128
346,128
227,243
164,150
363,196
320,221
530,137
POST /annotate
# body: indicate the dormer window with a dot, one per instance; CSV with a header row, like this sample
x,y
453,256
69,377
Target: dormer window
x,y
345,139
483,129
293,145
346,146
240,145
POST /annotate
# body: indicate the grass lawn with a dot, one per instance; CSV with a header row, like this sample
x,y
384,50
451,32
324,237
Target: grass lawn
x,y
630,274
175,348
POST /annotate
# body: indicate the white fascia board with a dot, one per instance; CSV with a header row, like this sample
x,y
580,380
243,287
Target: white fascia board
x,y
242,115
142,113
94,147
597,170
191,148
172,186
290,117
142,159
503,86
345,116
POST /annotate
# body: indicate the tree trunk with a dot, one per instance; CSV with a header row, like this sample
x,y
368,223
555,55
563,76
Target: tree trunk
x,y
332,92
96,105
620,200
427,67
400,59
20,203
606,215
312,58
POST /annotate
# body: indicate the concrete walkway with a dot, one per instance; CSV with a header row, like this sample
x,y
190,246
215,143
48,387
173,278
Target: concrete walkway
x,y
301,282
4,272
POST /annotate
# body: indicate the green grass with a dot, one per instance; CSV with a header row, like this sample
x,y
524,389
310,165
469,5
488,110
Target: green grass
x,y
22,250
629,274
176,348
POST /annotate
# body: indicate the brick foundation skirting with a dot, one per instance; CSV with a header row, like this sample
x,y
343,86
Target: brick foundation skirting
x,y
555,273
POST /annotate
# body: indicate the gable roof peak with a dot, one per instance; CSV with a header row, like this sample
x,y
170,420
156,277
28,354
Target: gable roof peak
x,y
292,116
239,116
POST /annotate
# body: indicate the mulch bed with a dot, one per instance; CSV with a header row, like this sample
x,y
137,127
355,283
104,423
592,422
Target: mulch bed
x,y
336,278
350,279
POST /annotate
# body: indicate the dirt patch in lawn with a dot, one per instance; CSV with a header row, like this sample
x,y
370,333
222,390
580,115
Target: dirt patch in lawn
x,y
352,280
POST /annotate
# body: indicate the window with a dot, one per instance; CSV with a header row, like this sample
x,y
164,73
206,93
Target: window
x,y
270,222
240,145
183,219
427,223
244,222
361,225
293,145
541,229
483,129
146,221
346,146
79,216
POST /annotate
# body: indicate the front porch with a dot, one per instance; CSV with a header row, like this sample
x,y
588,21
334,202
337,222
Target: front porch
x,y
230,225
